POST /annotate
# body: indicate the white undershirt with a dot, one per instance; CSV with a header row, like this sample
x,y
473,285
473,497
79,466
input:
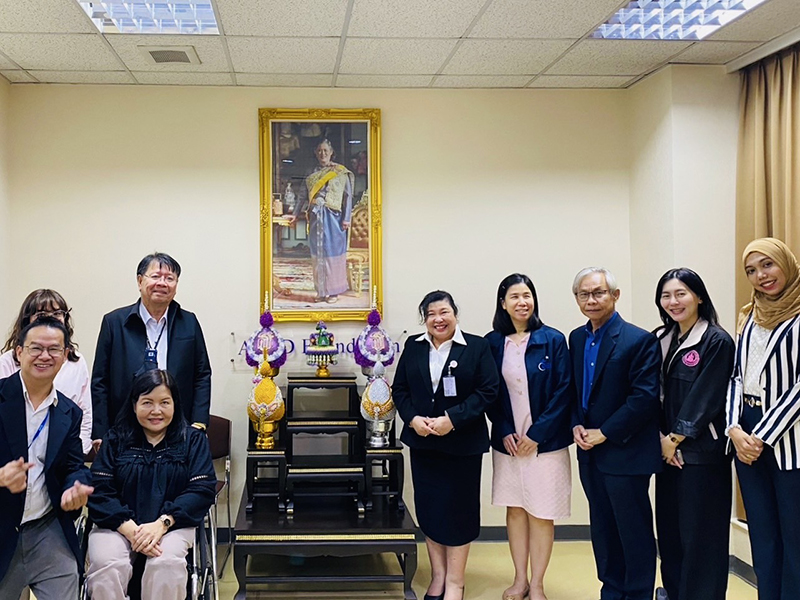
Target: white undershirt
x,y
438,356
37,501
153,328
756,360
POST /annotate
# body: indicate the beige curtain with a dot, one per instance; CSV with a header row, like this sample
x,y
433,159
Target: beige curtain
x,y
768,170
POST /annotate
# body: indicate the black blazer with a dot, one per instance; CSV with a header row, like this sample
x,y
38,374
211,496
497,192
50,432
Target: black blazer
x,y
63,464
120,356
476,387
550,390
694,384
624,402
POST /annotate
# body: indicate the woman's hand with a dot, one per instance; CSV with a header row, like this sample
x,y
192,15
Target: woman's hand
x,y
526,446
668,448
421,425
147,537
441,425
748,448
128,529
510,443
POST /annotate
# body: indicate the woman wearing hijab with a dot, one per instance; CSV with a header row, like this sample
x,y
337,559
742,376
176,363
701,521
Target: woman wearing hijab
x,y
763,412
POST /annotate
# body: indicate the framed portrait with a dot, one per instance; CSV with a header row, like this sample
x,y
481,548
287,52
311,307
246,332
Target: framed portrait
x,y
320,213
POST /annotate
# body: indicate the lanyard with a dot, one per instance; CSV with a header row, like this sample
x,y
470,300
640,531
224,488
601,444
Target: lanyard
x,y
160,333
38,431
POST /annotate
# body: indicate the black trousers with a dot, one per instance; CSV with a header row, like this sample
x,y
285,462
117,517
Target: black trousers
x,y
771,498
621,523
693,514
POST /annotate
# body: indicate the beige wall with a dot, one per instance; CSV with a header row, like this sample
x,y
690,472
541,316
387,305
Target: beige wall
x,y
6,306
477,184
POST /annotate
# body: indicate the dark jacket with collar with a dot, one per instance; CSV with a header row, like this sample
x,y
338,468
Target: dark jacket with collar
x,y
120,355
63,463
694,386
624,402
476,388
550,391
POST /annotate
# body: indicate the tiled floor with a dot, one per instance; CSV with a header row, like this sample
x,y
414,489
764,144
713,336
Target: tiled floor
x,y
571,576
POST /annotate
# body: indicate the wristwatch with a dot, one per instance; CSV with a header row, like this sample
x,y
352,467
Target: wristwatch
x,y
167,521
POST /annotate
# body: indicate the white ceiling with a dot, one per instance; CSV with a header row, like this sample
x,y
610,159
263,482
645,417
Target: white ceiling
x,y
372,43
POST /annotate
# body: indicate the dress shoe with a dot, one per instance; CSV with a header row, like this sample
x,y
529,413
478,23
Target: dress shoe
x,y
661,594
439,597
522,596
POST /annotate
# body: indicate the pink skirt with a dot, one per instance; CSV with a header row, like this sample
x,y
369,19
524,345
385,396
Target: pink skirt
x,y
541,484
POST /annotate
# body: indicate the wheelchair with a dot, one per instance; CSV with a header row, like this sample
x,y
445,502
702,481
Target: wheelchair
x,y
202,581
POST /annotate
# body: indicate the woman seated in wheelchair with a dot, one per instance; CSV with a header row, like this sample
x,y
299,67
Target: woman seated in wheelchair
x,y
154,482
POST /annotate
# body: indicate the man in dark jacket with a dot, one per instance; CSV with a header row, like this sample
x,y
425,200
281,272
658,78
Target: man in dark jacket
x,y
615,367
42,478
153,333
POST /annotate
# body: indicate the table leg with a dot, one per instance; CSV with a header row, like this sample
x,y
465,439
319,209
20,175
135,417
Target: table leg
x,y
240,569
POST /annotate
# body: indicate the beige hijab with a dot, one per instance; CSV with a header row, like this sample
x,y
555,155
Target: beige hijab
x,y
770,311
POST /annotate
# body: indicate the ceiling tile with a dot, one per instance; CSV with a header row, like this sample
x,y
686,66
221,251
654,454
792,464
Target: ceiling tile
x,y
543,19
148,77
765,22
383,81
264,80
616,57
5,63
581,81
481,81
505,57
56,52
17,76
412,18
283,55
209,50
394,57
83,76
274,18
43,16
714,53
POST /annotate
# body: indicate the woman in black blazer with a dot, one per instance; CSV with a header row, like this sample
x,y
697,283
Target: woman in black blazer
x,y
445,379
764,415
693,492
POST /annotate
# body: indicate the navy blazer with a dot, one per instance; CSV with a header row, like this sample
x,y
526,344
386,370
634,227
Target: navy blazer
x,y
476,388
120,354
624,402
550,391
63,464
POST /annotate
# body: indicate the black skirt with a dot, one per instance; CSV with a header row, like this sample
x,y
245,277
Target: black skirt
x,y
447,495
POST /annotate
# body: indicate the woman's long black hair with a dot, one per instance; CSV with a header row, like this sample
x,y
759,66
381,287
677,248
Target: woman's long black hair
x,y
127,426
691,280
502,320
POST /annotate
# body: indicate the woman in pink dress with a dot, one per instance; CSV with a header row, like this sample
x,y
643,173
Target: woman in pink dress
x,y
73,377
530,431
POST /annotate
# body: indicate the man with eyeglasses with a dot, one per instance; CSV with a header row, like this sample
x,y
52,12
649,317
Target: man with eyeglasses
x,y
43,480
152,333
615,370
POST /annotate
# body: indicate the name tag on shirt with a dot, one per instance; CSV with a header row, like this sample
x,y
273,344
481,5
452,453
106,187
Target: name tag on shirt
x,y
449,383
151,355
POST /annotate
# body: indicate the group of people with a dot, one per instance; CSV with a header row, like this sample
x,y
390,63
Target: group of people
x,y
677,402
152,479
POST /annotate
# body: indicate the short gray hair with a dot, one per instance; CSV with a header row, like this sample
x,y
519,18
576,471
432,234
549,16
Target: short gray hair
x,y
611,281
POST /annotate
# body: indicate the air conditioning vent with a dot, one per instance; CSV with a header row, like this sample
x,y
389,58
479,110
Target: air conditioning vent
x,y
160,55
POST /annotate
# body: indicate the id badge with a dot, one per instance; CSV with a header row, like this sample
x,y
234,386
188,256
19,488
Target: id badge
x,y
449,383
151,355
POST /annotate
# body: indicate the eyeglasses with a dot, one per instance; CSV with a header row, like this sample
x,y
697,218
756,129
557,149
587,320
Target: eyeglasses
x,y
34,350
56,314
168,279
596,294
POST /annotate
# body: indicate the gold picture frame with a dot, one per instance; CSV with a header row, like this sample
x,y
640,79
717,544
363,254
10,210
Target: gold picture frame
x,y
321,185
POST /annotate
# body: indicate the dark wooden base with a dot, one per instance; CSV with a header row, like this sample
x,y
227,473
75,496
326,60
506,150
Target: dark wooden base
x,y
325,527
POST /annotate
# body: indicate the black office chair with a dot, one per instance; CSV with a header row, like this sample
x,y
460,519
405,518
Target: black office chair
x,y
219,440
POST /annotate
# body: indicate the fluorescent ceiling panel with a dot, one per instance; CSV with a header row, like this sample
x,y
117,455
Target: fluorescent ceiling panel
x,y
144,16
672,19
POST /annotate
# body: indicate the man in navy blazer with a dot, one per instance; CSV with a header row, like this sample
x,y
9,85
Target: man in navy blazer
x,y
43,479
615,367
152,333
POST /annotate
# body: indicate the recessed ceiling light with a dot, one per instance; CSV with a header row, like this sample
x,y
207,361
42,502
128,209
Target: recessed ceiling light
x,y
145,16
672,19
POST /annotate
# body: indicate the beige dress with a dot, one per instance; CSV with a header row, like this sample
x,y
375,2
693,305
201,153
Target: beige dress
x,y
542,483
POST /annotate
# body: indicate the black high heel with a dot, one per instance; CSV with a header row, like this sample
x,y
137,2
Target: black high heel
x,y
439,597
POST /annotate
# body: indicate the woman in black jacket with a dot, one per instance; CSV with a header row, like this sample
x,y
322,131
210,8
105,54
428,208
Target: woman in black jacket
x,y
693,493
153,484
